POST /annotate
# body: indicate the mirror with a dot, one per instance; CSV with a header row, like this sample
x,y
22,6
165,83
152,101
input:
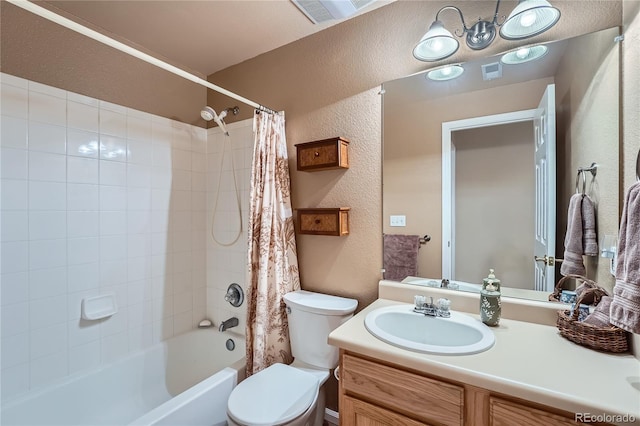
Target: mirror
x,y
489,204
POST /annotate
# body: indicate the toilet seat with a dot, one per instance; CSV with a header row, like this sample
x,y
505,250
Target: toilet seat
x,y
275,395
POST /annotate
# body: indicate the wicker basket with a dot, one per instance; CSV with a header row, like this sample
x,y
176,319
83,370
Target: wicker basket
x,y
607,339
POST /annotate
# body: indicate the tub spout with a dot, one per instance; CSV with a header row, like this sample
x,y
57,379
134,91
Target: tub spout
x,y
230,323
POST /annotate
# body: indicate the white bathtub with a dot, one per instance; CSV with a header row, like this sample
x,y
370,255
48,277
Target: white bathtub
x,y
185,380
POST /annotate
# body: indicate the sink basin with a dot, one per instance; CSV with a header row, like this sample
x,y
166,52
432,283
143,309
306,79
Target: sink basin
x,y
460,334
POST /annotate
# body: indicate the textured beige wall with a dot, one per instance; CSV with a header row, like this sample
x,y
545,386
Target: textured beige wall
x,y
494,199
588,101
412,154
39,50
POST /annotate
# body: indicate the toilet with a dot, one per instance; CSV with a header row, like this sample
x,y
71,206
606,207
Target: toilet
x,y
293,395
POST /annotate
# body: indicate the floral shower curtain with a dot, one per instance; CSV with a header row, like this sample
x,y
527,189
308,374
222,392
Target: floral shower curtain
x,y
273,260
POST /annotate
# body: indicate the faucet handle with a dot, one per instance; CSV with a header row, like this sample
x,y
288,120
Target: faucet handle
x,y
234,295
443,306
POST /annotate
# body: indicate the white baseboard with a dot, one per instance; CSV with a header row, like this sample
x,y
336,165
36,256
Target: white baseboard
x,y
332,417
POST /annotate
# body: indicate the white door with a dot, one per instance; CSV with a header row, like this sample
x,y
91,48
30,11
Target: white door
x,y
545,218
448,176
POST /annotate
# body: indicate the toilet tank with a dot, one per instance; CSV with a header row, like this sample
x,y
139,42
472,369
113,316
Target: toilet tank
x,y
312,316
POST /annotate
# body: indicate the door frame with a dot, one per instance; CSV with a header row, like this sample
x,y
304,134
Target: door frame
x,y
448,174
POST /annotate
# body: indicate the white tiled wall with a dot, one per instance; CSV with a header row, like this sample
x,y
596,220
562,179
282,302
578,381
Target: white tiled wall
x,y
95,198
227,264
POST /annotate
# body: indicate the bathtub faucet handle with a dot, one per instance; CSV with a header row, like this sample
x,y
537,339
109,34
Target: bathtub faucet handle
x,y
235,295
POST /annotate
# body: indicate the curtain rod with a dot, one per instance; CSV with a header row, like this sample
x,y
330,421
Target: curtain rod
x,y
74,26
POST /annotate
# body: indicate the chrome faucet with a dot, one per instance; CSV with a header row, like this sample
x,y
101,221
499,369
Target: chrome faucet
x,y
230,323
439,309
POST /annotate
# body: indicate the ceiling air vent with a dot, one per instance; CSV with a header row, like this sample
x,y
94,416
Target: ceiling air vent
x,y
326,10
491,71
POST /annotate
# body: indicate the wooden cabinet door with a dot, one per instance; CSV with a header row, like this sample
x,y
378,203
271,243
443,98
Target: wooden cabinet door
x,y
508,413
402,391
354,412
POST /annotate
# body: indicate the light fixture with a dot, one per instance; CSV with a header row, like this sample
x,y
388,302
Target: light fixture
x,y
529,18
448,72
436,44
524,54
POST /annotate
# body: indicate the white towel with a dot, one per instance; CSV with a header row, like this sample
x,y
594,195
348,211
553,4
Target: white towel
x,y
625,307
580,238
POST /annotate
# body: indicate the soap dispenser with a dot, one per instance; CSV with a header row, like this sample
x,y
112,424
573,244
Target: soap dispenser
x,y
490,307
491,279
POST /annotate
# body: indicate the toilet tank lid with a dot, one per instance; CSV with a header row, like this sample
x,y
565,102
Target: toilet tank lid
x,y
319,303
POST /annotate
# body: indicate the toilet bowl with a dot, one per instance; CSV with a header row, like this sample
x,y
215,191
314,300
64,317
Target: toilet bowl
x,y
278,395
293,395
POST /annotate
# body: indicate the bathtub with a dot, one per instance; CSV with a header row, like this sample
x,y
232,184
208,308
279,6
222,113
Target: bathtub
x,y
185,380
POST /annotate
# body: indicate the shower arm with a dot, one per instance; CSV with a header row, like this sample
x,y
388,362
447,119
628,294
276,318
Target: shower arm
x,y
74,26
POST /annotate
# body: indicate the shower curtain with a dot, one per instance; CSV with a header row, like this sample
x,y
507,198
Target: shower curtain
x,y
272,258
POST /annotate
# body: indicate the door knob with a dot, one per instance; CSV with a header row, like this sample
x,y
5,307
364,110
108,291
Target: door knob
x,y
547,260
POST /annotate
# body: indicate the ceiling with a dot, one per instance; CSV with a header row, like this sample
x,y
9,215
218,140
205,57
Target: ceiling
x,y
203,36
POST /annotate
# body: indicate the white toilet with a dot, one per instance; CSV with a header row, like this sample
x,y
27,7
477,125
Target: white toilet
x,y
293,395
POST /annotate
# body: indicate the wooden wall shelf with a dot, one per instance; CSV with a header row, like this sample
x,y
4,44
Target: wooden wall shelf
x,y
326,221
326,154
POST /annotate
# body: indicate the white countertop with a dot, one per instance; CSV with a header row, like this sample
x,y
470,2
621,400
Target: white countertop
x,y
528,361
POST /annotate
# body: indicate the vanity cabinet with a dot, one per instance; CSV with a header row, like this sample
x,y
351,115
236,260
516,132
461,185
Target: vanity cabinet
x,y
376,393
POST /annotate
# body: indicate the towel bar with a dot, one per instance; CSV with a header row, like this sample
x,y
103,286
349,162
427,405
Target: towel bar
x,y
422,240
593,168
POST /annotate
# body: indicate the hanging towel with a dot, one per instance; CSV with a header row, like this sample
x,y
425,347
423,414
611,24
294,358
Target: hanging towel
x,y
400,257
625,307
589,236
581,235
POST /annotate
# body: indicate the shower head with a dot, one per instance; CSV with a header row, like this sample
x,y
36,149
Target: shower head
x,y
209,114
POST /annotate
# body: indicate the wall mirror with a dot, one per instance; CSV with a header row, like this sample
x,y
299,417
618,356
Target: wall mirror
x,y
459,163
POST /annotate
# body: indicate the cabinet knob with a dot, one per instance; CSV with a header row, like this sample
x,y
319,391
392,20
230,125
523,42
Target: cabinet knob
x,y
316,154
317,221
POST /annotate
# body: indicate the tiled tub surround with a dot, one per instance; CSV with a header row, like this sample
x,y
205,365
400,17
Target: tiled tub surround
x,y
96,198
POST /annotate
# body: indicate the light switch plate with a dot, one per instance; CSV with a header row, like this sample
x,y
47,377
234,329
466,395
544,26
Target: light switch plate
x,y
397,220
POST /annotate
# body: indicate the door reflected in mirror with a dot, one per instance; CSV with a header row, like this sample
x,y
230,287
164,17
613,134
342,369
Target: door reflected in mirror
x,y
473,187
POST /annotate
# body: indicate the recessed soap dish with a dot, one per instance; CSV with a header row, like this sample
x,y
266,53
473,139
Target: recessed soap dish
x,y
98,307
